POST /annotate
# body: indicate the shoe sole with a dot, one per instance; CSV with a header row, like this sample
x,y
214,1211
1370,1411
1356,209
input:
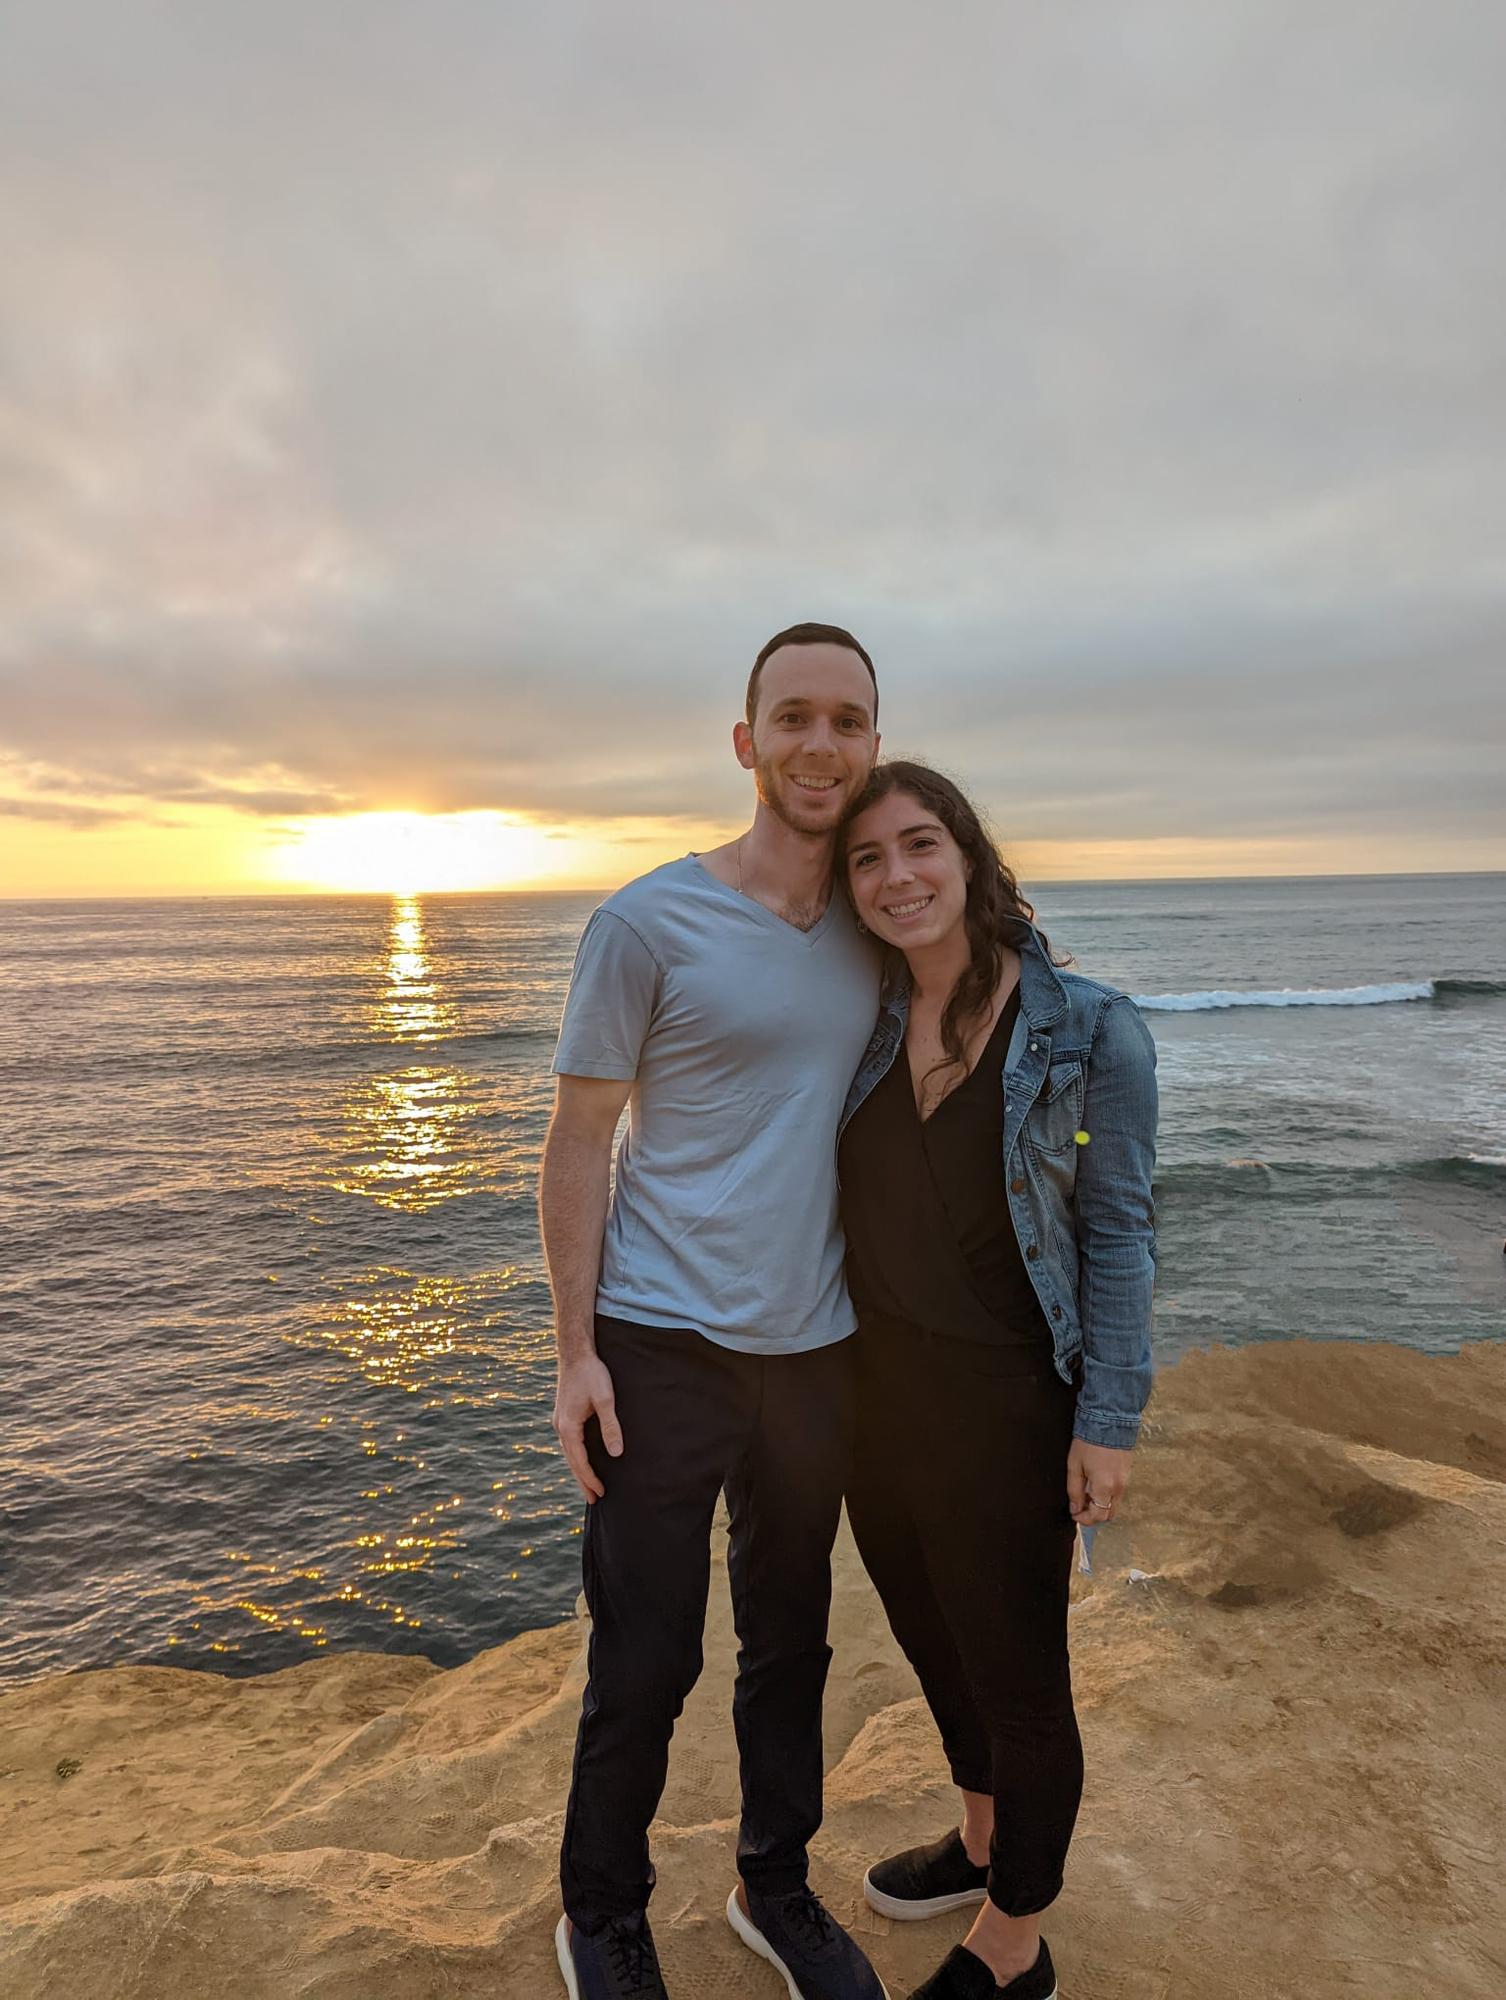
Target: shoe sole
x,y
562,1953
755,1940
912,1911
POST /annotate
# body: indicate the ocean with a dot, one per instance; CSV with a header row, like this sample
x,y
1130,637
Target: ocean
x,y
275,1360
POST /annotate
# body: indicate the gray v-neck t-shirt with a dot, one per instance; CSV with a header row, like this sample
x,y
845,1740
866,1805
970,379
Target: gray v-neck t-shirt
x,y
740,1035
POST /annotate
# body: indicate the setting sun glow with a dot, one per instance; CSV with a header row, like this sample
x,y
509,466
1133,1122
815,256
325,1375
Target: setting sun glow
x,y
409,853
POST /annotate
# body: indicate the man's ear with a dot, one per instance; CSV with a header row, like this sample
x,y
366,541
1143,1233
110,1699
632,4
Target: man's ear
x,y
742,743
877,740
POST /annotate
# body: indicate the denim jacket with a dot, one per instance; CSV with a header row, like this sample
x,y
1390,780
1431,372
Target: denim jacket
x,y
1079,1086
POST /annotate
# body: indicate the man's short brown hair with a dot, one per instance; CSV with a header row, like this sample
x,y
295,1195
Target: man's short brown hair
x,y
808,635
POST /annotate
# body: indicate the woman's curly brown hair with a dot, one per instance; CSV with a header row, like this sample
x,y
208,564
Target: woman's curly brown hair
x,y
994,911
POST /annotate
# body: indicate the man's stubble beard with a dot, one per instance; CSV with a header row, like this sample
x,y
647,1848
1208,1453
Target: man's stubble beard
x,y
767,789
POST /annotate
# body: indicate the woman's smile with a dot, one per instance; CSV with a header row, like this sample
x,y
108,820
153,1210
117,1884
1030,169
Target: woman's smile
x,y
900,912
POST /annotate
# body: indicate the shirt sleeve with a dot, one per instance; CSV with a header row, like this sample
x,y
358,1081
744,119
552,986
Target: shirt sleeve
x,y
609,1009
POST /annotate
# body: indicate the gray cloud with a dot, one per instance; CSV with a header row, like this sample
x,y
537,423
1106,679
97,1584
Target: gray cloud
x,y
59,812
438,407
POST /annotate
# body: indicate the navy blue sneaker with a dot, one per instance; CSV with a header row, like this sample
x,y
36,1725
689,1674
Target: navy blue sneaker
x,y
617,1962
804,1942
963,1976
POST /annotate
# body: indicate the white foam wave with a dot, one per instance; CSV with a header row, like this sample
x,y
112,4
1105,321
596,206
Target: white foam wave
x,y
1320,996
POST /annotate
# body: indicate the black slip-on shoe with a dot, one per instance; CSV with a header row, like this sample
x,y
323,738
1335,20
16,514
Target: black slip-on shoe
x,y
615,1962
801,1939
926,1881
963,1976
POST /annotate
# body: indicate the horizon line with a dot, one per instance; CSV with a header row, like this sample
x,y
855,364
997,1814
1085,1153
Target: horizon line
x,y
1039,882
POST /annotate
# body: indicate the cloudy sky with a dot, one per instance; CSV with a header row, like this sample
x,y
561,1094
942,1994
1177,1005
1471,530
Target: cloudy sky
x,y
431,408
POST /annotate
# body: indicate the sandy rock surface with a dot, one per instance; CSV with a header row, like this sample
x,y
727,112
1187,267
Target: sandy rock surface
x,y
1295,1731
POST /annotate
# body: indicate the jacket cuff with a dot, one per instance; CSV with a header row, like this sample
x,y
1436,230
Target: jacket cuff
x,y
1118,1432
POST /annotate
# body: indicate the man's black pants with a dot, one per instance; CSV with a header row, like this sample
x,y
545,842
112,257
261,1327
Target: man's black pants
x,y
776,1432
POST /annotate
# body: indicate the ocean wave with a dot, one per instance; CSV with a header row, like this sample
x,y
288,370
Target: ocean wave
x,y
1314,996
1385,995
1470,989
1245,1177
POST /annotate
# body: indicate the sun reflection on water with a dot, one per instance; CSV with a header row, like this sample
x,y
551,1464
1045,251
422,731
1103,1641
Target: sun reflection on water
x,y
406,1133
415,1332
431,1337
414,1007
411,1358
406,1140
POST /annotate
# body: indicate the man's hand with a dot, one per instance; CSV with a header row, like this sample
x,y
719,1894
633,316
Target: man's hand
x,y
573,1214
584,1390
1096,1478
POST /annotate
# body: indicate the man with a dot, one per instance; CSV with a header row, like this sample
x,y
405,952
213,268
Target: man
x,y
702,1320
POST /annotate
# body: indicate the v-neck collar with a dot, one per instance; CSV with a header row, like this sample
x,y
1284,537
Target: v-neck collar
x,y
762,910
1008,1012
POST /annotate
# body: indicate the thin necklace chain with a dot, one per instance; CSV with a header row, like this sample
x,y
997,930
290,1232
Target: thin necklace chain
x,y
737,854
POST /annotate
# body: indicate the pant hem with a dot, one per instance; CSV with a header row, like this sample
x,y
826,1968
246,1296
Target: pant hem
x,y
589,1922
776,1881
974,1781
1023,1906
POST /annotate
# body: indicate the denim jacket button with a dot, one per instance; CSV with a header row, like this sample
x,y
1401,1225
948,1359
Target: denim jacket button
x,y
1017,1187
1033,1252
1056,1312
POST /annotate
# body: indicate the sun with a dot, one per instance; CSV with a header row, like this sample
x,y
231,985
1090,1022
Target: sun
x,y
411,853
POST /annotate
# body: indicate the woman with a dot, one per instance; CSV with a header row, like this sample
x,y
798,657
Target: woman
x,y
995,1160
